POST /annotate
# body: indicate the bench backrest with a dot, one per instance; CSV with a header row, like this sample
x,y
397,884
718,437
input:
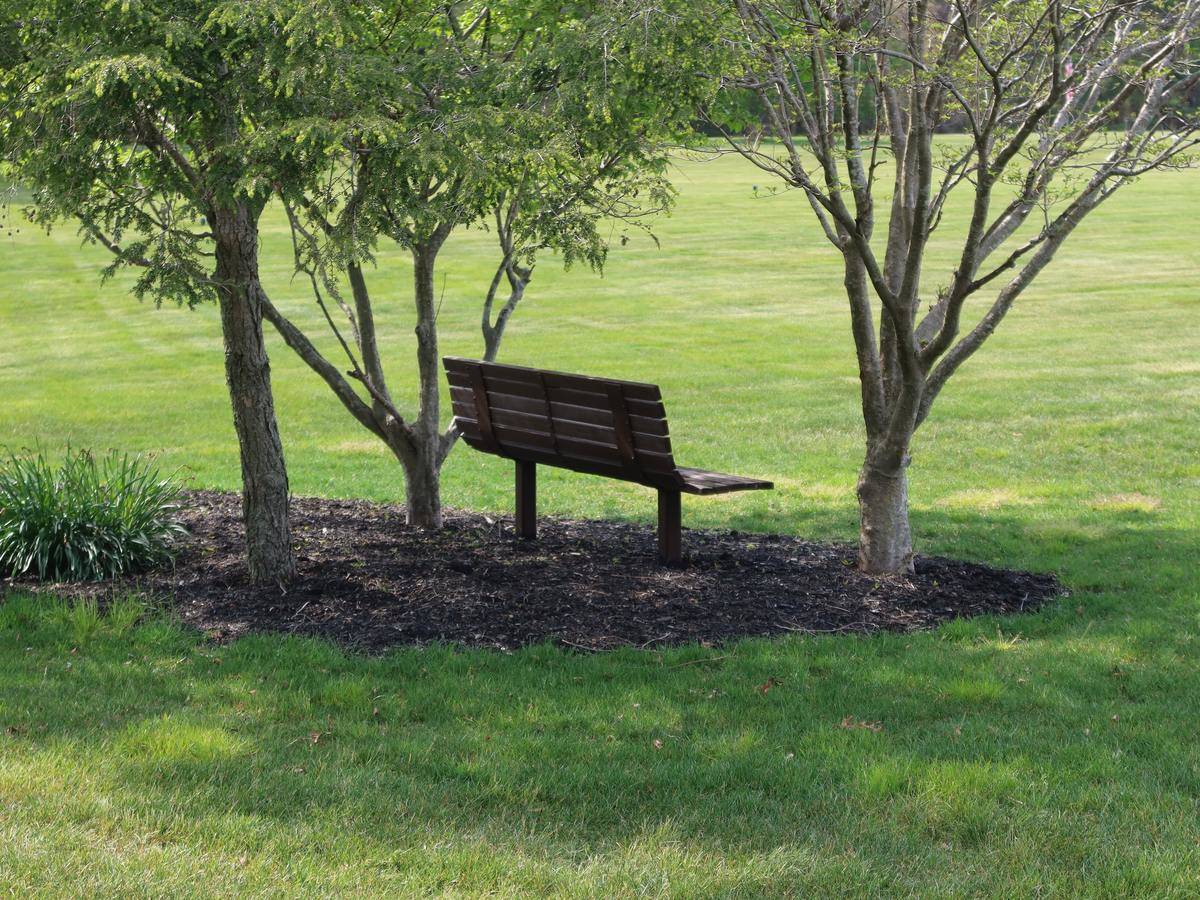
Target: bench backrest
x,y
597,425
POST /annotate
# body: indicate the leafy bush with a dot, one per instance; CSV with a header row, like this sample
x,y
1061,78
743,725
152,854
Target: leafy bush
x,y
85,520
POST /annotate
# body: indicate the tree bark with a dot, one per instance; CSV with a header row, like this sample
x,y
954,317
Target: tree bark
x,y
422,471
885,539
248,374
423,483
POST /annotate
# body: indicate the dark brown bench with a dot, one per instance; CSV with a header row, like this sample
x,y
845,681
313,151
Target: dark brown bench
x,y
601,426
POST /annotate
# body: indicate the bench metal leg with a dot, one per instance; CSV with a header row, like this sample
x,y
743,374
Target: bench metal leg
x,y
526,499
670,528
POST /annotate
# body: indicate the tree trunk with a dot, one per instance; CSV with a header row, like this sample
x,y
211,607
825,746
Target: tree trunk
x,y
422,470
884,539
423,485
248,374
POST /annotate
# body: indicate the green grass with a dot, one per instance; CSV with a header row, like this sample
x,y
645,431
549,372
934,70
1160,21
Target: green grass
x,y
1049,754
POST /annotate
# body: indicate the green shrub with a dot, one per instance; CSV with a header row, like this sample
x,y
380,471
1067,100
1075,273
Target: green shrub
x,y
85,520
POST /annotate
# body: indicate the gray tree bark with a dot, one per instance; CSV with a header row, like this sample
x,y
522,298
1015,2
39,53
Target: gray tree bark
x,y
885,539
248,374
423,464
423,484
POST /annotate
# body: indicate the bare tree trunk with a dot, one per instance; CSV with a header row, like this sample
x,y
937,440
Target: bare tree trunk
x,y
422,465
884,539
423,483
248,373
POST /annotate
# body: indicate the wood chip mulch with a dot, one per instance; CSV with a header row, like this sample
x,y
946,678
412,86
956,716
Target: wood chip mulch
x,y
368,581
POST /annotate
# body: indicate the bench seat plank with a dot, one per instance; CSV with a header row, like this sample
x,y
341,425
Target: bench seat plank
x,y
698,481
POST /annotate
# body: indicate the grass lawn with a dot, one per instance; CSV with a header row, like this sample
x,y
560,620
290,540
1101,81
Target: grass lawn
x,y
1056,753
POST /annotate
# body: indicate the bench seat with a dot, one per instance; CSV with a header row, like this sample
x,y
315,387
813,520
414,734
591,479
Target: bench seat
x,y
698,481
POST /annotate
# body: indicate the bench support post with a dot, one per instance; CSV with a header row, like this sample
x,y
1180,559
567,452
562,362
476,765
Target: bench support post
x,y
670,528
526,499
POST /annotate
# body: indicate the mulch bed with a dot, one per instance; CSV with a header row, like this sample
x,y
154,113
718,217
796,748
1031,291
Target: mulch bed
x,y
369,581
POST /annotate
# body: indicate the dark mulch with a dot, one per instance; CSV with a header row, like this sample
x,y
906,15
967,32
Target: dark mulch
x,y
369,581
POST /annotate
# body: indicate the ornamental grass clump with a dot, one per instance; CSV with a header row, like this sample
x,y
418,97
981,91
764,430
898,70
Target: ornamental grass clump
x,y
85,519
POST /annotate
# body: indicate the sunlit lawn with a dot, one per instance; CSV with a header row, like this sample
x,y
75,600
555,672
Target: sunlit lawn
x,y
1054,754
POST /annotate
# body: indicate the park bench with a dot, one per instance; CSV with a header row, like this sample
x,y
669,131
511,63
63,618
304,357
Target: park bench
x,y
600,426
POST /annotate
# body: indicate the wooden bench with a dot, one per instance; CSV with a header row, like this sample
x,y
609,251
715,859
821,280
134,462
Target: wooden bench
x,y
600,426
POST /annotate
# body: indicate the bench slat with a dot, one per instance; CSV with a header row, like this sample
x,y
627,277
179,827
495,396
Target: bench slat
x,y
586,383
508,436
668,480
565,428
699,481
562,412
647,425
647,407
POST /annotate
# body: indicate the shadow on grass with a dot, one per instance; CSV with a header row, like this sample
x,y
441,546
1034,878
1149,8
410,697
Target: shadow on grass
x,y
1058,729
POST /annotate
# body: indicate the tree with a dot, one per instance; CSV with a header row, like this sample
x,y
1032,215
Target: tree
x,y
527,118
156,127
1063,105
